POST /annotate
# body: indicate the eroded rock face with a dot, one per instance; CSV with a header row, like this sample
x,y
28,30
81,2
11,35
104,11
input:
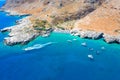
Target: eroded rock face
x,y
111,39
91,34
96,35
21,33
21,39
88,34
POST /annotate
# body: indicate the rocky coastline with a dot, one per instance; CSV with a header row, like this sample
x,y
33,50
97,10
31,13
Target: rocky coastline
x,y
22,33
81,15
96,35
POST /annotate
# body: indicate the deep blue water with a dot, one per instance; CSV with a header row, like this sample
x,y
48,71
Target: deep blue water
x,y
58,57
2,2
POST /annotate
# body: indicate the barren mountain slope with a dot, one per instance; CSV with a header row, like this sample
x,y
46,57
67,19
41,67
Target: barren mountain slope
x,y
98,15
105,19
52,9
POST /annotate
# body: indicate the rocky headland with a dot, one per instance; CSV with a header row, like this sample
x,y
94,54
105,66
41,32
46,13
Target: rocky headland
x,y
23,32
92,19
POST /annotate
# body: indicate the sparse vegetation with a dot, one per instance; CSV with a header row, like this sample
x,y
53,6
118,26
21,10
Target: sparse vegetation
x,y
60,27
52,16
58,20
41,25
118,30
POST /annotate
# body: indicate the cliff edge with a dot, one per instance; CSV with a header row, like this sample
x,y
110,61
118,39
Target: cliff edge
x,y
94,16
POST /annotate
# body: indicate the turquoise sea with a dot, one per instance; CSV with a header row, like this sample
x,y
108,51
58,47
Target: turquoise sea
x,y
57,57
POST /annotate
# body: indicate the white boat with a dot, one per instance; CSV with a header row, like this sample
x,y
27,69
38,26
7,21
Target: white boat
x,y
90,57
74,39
84,44
69,41
103,48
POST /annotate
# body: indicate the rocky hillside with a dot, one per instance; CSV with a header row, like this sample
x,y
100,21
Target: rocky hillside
x,y
52,10
104,19
96,15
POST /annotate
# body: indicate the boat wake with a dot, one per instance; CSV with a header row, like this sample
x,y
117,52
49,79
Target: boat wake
x,y
38,46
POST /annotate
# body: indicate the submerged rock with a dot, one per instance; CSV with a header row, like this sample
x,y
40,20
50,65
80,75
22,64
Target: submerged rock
x,y
97,52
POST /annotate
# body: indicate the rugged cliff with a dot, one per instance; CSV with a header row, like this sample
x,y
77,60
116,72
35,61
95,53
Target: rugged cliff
x,y
94,16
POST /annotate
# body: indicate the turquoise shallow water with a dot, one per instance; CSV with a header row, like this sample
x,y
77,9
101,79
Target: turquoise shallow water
x,y
57,57
61,60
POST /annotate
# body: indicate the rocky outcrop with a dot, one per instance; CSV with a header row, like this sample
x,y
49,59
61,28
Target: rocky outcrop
x,y
21,33
23,39
88,34
91,34
111,39
96,35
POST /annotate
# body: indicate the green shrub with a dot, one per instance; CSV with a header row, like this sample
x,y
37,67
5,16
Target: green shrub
x,y
41,24
60,27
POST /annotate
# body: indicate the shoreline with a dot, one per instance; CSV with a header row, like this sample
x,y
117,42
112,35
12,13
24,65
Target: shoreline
x,y
97,35
14,36
21,33
92,35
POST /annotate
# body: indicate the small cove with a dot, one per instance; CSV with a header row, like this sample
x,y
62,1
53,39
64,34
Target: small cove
x,y
64,59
